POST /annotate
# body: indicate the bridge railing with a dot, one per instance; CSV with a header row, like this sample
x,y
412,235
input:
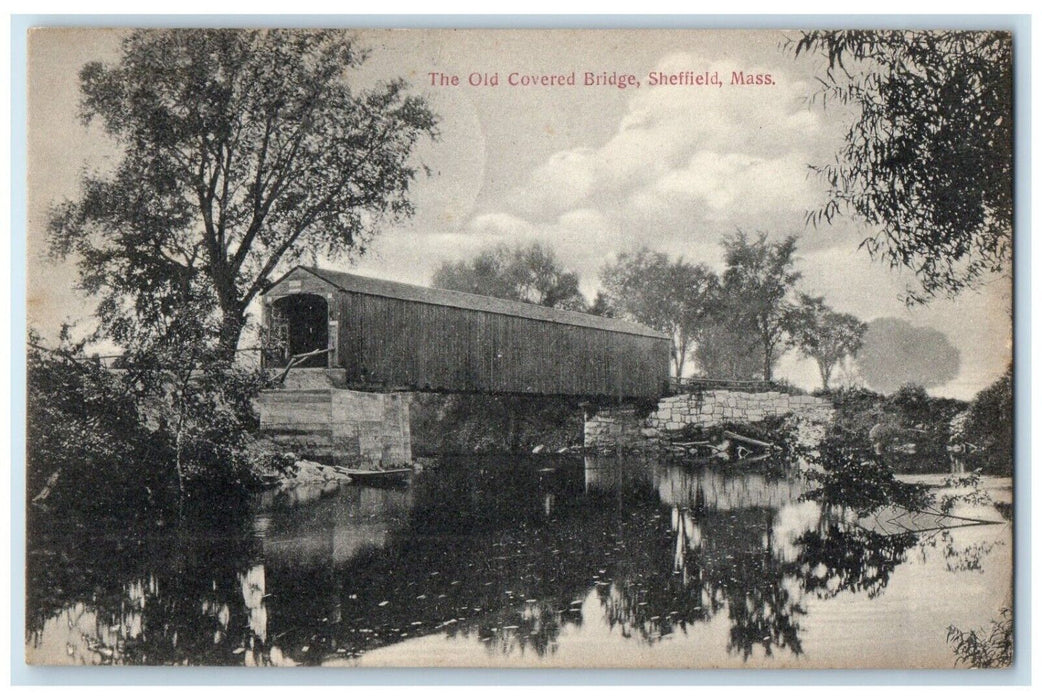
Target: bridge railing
x,y
690,385
297,360
117,361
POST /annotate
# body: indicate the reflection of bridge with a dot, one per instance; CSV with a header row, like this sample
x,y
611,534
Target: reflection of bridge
x,y
320,577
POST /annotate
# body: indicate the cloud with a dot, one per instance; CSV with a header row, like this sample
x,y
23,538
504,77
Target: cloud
x,y
565,180
684,166
500,224
734,188
707,150
689,164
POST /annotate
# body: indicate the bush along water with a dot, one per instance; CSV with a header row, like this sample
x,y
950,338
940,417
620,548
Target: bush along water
x,y
89,448
988,647
848,471
138,442
909,427
476,423
988,427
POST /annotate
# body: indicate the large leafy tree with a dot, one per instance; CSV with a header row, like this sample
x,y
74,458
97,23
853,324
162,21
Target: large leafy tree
x,y
758,285
927,162
529,273
825,335
241,151
672,296
726,349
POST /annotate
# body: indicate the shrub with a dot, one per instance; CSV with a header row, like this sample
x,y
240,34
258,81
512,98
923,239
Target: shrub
x,y
88,446
445,424
100,440
985,648
990,425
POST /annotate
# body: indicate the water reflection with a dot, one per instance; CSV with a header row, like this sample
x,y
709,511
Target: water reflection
x,y
496,558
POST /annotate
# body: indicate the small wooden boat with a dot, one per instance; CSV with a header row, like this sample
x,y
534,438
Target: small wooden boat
x,y
376,477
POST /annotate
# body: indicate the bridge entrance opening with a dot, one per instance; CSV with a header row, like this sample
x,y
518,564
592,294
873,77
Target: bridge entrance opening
x,y
299,324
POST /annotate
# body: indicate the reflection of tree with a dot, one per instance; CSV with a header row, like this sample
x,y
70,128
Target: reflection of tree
x,y
839,558
741,568
477,554
473,552
966,558
720,545
155,598
725,550
535,629
652,592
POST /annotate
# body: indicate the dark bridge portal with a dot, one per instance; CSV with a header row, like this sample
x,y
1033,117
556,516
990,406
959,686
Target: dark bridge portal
x,y
299,324
389,336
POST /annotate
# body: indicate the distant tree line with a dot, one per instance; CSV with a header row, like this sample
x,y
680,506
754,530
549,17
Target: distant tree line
x,y
734,325
738,323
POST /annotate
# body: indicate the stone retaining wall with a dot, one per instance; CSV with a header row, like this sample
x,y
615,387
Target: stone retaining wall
x,y
347,427
614,428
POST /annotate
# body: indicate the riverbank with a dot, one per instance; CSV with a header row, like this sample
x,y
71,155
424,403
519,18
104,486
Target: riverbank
x,y
488,424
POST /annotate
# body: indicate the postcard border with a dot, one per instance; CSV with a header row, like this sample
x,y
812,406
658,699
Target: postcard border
x,y
1019,674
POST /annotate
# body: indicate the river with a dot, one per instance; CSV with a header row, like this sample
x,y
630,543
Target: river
x,y
528,561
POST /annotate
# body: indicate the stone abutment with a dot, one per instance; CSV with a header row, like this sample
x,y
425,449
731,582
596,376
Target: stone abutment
x,y
622,428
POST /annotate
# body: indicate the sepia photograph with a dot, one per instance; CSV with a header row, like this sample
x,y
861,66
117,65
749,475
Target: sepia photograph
x,y
520,348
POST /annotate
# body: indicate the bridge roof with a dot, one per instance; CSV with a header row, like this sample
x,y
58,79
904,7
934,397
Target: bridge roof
x,y
462,300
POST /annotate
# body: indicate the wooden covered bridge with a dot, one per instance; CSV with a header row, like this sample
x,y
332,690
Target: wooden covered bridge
x,y
383,336
362,344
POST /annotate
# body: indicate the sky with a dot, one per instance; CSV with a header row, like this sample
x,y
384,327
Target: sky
x,y
591,170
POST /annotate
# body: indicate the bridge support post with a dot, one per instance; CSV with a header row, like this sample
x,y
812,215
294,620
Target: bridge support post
x,y
339,425
612,428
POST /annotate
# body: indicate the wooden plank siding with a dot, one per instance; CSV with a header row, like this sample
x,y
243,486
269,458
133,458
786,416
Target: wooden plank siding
x,y
447,341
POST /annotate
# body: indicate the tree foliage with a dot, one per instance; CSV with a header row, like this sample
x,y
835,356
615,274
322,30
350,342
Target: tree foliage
x,y
987,647
82,428
758,284
172,419
601,306
529,273
850,474
990,424
895,353
241,151
198,405
825,335
928,161
672,296
725,350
